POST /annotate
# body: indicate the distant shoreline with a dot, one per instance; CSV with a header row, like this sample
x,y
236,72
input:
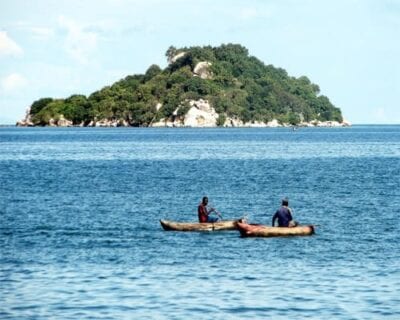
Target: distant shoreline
x,y
287,127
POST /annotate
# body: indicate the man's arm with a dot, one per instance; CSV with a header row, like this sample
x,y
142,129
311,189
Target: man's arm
x,y
290,214
274,218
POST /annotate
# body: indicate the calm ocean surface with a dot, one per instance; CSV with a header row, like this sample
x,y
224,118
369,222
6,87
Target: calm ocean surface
x,y
80,236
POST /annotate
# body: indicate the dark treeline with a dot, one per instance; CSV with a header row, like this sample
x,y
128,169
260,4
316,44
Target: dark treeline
x,y
239,85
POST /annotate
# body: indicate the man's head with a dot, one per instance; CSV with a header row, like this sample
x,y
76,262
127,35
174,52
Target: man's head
x,y
205,200
285,201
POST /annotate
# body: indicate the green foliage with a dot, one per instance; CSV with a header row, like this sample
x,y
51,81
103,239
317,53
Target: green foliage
x,y
53,110
40,104
221,120
151,72
171,52
76,108
241,86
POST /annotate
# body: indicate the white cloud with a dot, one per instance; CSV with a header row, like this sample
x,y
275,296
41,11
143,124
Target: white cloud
x,y
8,46
42,33
80,43
13,82
37,32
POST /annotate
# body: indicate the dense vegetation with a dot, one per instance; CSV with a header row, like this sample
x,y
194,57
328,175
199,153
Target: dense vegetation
x,y
240,86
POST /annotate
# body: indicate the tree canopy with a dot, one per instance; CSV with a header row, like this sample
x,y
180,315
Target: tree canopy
x,y
240,86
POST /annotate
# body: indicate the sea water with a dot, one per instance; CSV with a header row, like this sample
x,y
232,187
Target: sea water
x,y
80,236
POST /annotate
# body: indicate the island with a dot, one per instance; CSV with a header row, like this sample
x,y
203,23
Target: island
x,y
200,87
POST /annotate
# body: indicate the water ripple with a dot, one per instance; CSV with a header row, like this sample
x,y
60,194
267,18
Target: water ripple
x,y
80,236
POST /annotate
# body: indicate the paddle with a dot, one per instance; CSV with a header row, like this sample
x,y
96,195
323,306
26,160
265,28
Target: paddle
x,y
218,214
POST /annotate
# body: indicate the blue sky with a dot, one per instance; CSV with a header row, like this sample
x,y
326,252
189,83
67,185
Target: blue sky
x,y
350,48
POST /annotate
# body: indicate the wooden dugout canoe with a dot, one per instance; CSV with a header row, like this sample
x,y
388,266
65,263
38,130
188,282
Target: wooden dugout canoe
x,y
196,226
249,230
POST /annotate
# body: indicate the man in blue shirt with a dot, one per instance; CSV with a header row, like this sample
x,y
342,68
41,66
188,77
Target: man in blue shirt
x,y
284,215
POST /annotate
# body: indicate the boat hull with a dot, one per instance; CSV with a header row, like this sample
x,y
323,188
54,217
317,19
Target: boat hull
x,y
195,226
249,230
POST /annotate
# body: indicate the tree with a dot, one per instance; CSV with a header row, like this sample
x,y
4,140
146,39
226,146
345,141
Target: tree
x,y
151,72
171,53
39,105
241,86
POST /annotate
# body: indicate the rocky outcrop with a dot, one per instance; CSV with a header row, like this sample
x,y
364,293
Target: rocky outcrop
x,y
236,122
176,57
346,123
109,123
273,123
62,122
159,124
233,122
202,70
27,120
52,123
330,124
106,123
200,114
